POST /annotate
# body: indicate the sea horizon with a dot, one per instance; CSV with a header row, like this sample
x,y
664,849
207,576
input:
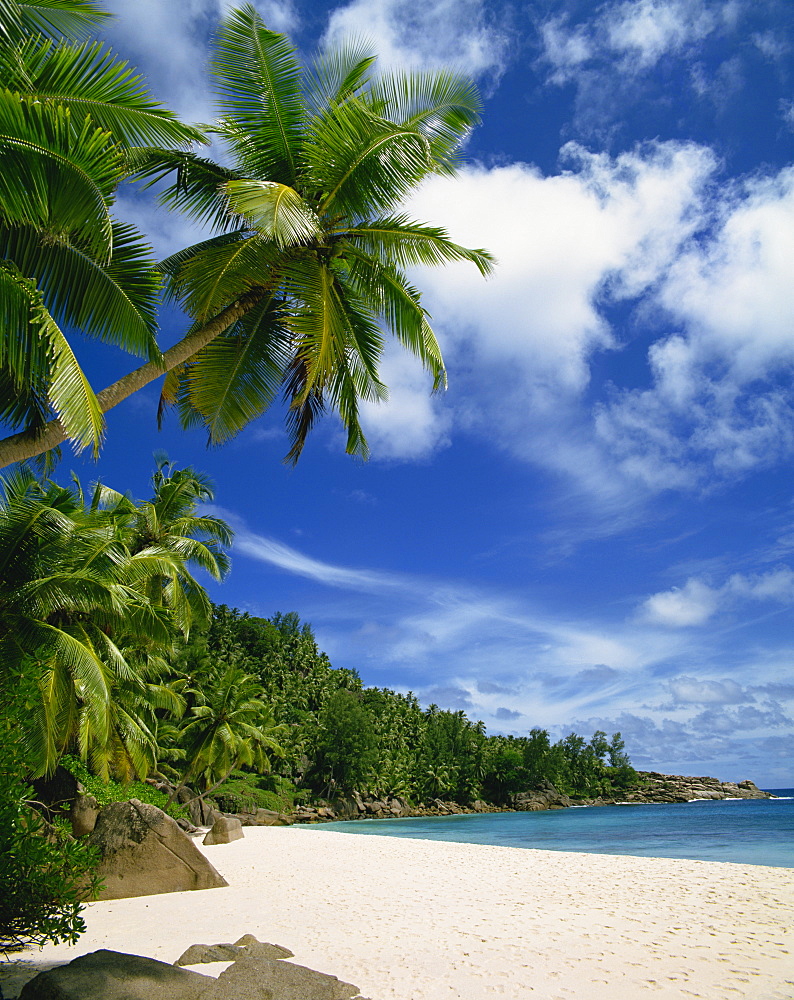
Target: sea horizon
x,y
739,831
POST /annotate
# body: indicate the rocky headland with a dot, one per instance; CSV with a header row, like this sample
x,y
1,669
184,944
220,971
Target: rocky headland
x,y
652,787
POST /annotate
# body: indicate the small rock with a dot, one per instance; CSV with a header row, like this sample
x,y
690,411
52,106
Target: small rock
x,y
83,815
224,830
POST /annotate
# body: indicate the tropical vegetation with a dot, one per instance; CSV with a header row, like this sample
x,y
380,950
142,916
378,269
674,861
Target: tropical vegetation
x,y
308,265
339,736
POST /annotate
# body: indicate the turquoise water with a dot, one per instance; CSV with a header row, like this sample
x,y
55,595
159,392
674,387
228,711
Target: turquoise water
x,y
747,831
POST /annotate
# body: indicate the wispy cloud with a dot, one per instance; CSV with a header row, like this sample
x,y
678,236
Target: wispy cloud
x,y
406,34
610,54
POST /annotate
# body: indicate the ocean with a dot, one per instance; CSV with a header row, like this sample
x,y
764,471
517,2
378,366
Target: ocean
x,y
746,831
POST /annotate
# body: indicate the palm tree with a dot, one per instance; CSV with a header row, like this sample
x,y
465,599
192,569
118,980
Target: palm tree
x,y
92,609
70,112
168,524
308,266
229,726
63,605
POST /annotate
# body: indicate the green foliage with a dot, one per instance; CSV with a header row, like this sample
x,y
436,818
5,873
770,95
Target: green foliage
x,y
94,591
246,792
346,749
109,791
70,111
45,875
308,235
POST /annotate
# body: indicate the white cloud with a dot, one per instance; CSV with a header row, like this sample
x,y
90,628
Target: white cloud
x,y
645,30
720,401
632,34
696,602
519,345
610,56
275,553
692,604
407,34
412,423
168,42
703,691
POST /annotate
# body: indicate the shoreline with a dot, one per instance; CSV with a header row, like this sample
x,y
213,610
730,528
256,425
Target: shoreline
x,y
431,920
654,788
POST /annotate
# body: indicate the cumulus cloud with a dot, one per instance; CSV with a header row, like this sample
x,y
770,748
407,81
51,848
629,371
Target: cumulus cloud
x,y
696,602
412,423
507,714
520,344
720,401
702,691
445,33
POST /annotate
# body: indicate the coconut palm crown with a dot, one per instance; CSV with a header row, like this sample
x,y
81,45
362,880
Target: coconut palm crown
x,y
312,247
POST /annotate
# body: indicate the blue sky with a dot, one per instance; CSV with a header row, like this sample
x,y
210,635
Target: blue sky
x,y
594,526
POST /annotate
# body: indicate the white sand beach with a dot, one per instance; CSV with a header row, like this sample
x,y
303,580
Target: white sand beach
x,y
423,920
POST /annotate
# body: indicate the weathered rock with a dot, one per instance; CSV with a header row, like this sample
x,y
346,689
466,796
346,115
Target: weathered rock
x,y
263,817
201,954
686,788
144,853
347,808
113,975
536,800
260,979
224,830
262,949
83,814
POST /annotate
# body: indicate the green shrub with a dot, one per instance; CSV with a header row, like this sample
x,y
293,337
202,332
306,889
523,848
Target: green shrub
x,y
106,792
244,792
45,874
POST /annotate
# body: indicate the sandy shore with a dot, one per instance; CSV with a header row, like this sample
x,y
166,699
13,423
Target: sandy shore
x,y
422,920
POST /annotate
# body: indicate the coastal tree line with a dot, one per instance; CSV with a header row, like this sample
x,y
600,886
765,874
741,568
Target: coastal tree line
x,y
339,736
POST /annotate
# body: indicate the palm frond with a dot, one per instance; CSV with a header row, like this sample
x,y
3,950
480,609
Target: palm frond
x,y
195,184
259,87
55,174
222,270
70,18
363,163
443,106
276,211
339,73
90,80
114,300
236,377
400,240
42,365
398,303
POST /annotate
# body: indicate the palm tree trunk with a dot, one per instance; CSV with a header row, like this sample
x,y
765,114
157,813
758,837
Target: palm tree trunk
x,y
21,446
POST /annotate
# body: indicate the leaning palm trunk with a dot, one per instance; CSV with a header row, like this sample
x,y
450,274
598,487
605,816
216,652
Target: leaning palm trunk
x,y
22,446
